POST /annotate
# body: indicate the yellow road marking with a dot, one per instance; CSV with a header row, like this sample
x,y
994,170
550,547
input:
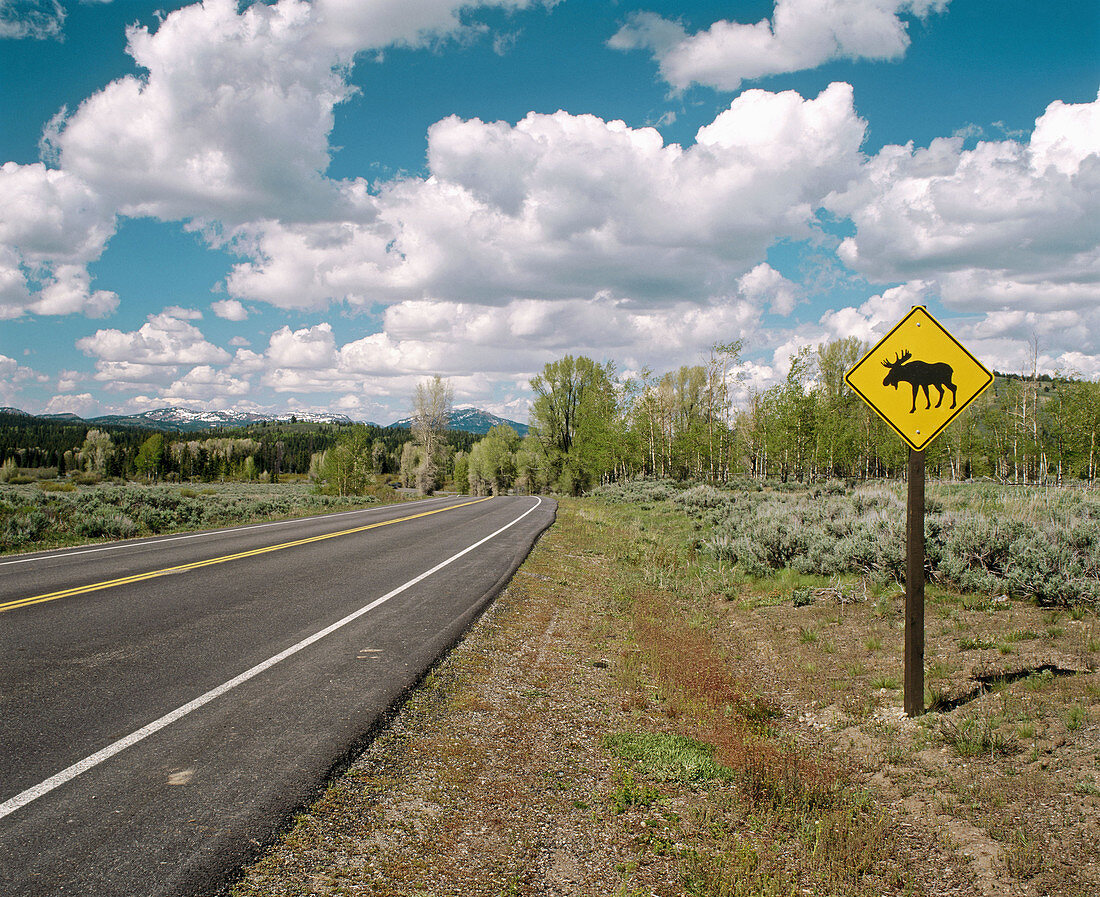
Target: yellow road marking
x,y
138,577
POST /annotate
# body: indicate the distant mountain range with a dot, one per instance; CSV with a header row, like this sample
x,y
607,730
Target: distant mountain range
x,y
186,420
470,420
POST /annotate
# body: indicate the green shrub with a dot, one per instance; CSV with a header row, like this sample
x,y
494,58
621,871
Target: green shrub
x,y
59,513
1045,547
976,736
637,490
112,525
46,486
19,527
699,497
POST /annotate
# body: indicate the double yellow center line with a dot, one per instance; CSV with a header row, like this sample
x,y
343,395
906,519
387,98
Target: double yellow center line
x,y
139,577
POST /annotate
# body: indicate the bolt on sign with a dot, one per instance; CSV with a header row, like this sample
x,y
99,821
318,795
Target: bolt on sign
x,y
918,378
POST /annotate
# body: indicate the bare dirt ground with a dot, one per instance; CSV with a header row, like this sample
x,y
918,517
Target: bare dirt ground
x,y
1008,764
623,722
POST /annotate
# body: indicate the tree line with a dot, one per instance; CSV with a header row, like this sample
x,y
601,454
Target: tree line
x,y
259,452
700,422
589,425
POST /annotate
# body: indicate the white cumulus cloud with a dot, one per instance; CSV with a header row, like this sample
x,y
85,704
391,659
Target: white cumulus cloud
x,y
564,206
763,284
230,118
162,341
207,386
1007,223
354,25
802,34
229,309
81,404
52,225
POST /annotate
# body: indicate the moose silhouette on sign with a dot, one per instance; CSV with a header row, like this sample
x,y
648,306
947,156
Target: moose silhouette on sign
x,y
921,375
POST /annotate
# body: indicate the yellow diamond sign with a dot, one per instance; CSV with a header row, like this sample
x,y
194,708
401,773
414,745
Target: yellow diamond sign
x,y
918,378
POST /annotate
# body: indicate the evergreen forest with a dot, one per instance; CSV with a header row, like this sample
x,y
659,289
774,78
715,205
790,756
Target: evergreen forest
x,y
31,447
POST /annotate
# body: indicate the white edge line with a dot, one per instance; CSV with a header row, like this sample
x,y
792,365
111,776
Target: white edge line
x,y
62,554
66,775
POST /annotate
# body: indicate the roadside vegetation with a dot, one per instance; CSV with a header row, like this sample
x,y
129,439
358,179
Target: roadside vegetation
x,y
639,714
52,514
1037,543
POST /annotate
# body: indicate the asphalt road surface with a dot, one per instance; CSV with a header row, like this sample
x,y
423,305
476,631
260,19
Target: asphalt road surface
x,y
166,704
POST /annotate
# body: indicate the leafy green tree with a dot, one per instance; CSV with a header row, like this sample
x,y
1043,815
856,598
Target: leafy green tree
x,y
152,458
791,438
462,473
412,457
97,450
572,418
719,421
346,468
529,466
838,448
492,461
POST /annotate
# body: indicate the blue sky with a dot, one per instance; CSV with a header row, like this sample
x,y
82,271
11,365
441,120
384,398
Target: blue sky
x,y
316,205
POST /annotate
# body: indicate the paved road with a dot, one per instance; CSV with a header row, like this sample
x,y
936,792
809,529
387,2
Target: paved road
x,y
165,704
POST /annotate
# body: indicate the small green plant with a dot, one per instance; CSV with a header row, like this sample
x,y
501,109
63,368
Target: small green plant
x,y
1023,855
807,636
667,757
1074,717
629,793
937,669
735,871
975,736
1039,680
884,682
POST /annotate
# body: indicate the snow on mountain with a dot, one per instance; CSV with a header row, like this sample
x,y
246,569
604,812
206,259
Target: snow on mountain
x,y
314,417
185,420
470,420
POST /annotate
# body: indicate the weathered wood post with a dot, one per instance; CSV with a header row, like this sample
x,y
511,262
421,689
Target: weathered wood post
x,y
914,587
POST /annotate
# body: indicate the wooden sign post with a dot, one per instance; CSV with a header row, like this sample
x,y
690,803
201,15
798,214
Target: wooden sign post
x,y
914,587
925,358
